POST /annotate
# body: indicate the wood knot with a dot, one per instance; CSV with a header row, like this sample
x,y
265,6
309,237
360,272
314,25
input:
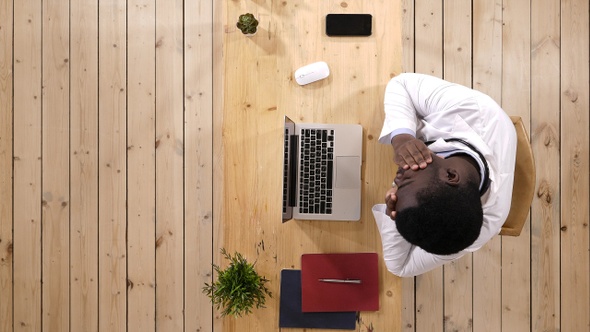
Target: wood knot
x,y
577,162
159,241
563,228
545,193
548,133
571,95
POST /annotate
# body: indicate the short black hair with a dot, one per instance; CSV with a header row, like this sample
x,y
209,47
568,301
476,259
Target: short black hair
x,y
447,219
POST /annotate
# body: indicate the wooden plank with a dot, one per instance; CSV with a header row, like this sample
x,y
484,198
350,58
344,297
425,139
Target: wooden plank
x,y
457,37
408,305
219,57
458,275
261,90
112,166
55,167
169,166
6,182
141,166
487,68
545,121
198,160
516,100
84,166
408,50
251,121
575,287
429,38
428,60
27,166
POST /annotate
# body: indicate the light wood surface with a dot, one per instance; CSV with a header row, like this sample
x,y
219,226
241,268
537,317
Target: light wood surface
x,y
84,142
545,299
532,57
6,180
169,165
55,170
259,91
141,152
27,93
198,161
516,60
575,168
112,177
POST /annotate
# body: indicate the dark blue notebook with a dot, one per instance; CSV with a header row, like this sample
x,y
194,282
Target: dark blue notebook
x,y
290,314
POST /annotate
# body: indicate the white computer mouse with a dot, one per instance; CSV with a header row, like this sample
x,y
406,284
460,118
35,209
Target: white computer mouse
x,y
313,72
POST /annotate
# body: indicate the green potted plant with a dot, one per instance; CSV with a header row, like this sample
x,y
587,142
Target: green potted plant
x,y
248,24
238,287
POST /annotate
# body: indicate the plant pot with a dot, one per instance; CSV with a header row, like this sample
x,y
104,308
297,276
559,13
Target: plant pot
x,y
248,24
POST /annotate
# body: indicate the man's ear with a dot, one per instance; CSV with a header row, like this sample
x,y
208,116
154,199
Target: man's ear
x,y
452,177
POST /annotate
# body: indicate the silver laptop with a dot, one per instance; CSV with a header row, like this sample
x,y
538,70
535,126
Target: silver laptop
x,y
322,171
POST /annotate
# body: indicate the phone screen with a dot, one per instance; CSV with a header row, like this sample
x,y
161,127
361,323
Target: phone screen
x,y
349,24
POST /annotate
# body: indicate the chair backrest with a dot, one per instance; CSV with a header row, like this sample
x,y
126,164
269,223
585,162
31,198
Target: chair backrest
x,y
524,182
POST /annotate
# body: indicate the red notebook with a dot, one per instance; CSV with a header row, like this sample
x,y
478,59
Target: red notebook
x,y
352,282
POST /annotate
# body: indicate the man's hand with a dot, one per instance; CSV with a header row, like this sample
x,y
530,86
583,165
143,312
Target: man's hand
x,y
390,201
410,152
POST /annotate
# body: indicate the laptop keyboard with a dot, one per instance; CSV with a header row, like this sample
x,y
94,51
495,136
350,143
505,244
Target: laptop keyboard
x,y
315,171
286,171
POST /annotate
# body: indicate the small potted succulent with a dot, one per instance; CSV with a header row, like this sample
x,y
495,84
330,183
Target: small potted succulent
x,y
238,287
248,24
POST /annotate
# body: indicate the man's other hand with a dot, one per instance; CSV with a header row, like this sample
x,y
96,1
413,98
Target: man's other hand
x,y
390,201
410,152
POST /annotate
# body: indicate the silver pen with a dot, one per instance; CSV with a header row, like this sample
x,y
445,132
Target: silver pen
x,y
341,281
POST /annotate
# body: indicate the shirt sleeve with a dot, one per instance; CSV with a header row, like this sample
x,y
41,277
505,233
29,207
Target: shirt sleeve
x,y
411,97
400,111
401,257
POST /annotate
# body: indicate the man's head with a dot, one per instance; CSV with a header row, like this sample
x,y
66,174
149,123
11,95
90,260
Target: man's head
x,y
439,208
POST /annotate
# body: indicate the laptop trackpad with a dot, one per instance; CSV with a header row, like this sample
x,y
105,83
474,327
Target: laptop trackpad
x,y
348,172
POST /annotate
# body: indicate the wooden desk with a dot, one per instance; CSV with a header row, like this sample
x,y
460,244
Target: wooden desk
x,y
259,90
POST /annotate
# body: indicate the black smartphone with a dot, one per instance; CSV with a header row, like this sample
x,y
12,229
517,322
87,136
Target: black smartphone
x,y
349,24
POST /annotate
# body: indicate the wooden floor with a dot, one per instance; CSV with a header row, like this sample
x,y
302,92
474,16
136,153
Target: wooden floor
x,y
532,57
106,162
110,184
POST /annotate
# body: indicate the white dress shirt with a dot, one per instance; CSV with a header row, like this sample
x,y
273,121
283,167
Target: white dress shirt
x,y
432,109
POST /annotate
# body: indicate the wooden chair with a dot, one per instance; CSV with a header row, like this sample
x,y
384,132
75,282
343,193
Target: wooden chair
x,y
524,182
